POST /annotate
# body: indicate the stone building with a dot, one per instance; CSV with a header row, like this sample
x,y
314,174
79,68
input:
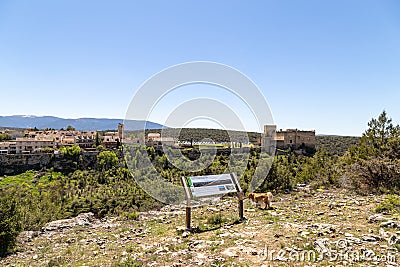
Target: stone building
x,y
156,140
113,139
269,139
4,147
296,139
37,140
290,138
29,144
120,131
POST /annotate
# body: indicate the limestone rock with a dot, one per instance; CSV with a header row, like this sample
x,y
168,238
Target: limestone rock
x,y
376,218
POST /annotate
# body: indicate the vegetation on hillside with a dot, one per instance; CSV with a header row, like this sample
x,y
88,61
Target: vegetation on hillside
x,y
33,198
336,145
10,223
198,134
374,164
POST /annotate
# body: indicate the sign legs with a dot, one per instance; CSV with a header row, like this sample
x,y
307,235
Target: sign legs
x,y
188,216
240,206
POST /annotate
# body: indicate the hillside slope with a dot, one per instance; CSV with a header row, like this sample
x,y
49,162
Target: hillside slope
x,y
303,229
336,145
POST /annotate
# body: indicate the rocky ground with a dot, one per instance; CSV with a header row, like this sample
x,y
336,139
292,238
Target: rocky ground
x,y
329,228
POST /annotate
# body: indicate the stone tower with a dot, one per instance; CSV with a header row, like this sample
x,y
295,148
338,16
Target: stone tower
x,y
120,131
268,139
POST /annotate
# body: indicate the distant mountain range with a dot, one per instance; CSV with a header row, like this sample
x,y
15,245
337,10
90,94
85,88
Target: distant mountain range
x,y
42,122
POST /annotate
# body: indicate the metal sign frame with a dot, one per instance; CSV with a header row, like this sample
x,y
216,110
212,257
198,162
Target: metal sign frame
x,y
189,198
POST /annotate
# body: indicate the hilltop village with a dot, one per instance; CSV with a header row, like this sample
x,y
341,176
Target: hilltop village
x,y
39,141
36,141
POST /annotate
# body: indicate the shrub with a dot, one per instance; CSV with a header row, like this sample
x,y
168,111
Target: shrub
x,y
389,205
10,223
130,263
374,165
375,175
216,219
132,216
107,160
71,152
5,137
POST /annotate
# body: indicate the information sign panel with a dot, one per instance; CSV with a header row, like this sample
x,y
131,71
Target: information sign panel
x,y
211,185
208,186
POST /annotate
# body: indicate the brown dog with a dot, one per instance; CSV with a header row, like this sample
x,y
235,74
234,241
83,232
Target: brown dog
x,y
262,198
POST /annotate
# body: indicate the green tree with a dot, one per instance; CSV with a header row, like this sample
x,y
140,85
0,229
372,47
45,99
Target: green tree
x,y
10,223
97,140
320,170
374,165
151,152
5,137
380,132
71,151
107,160
70,128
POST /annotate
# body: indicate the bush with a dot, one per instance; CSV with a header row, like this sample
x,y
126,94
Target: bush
x,y
10,223
375,175
132,216
216,220
107,160
374,165
389,205
72,152
130,263
5,137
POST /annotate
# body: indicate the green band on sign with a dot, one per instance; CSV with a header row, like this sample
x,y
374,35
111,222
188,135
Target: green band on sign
x,y
189,182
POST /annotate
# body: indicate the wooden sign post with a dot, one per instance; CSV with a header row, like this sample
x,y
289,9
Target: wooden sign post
x,y
197,187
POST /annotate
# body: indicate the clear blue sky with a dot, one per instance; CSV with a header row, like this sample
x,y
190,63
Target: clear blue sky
x,y
324,65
